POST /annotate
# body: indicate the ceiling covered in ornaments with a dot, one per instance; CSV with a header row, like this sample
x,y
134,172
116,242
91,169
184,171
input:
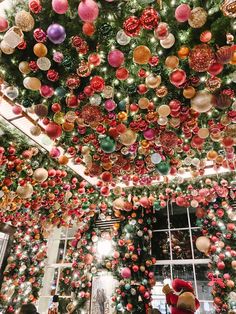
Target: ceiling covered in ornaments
x,y
123,99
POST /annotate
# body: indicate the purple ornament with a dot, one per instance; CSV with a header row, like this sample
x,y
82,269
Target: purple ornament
x,y
56,33
149,134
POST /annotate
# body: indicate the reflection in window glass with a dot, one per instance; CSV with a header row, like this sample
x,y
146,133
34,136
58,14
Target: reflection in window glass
x,y
64,288
206,308
60,251
178,217
180,244
161,245
204,291
162,272
161,306
197,254
184,272
162,220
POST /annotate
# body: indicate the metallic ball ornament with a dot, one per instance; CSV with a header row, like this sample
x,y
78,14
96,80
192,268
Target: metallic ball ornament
x,y
197,18
200,58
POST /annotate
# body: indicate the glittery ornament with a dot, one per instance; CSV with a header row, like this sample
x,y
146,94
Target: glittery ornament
x,y
132,26
228,7
213,83
198,17
91,114
201,57
162,31
168,139
224,54
24,20
141,55
149,18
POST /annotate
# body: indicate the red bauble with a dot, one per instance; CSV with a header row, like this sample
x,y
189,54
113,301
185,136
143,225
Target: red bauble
x,y
53,130
132,26
94,59
91,114
200,58
122,74
215,68
73,81
178,77
149,18
72,101
106,176
97,84
142,289
129,307
168,139
88,29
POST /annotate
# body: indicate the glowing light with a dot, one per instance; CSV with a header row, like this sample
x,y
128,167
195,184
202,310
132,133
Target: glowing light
x,y
104,248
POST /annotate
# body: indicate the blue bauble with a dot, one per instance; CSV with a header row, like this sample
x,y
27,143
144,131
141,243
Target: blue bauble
x,y
56,33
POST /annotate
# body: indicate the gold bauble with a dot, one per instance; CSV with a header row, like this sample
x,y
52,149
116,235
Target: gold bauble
x,y
141,55
153,81
197,18
24,20
233,59
161,91
189,92
32,83
40,175
24,67
228,8
143,103
35,130
202,102
183,52
6,48
172,62
25,191
128,137
68,126
203,133
40,50
163,110
212,155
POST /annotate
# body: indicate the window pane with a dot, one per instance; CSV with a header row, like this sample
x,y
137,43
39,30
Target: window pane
x,y
162,220
206,308
204,291
69,253
180,244
60,251
161,245
161,306
162,272
197,253
184,272
193,218
178,217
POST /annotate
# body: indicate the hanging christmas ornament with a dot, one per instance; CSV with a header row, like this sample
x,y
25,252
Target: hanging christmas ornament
x,y
197,18
88,10
56,33
168,42
201,57
32,83
11,92
107,144
44,63
205,36
25,191
40,50
203,244
40,175
162,31
172,62
132,26
116,58
224,54
153,81
228,7
122,38
182,12
60,6
53,130
24,20
178,77
156,158
3,24
128,138
13,37
168,139
149,18
215,68
164,110
141,55
163,167
203,101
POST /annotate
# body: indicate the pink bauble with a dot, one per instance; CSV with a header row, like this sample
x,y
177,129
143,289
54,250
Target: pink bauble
x,y
205,36
182,12
46,91
3,24
110,105
149,134
126,273
55,152
53,130
178,77
60,6
116,58
144,201
88,10
88,259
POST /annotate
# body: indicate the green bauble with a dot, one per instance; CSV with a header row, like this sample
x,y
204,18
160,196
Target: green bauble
x,y
163,167
156,205
129,228
122,105
27,103
107,144
60,92
85,205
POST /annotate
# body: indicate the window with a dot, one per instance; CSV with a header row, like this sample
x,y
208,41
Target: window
x,y
173,245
